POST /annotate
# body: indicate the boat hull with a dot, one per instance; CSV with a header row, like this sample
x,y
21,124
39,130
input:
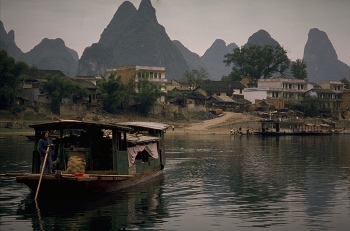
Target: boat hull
x,y
70,185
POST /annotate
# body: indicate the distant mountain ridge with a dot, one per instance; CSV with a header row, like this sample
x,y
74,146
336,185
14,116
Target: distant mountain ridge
x,y
322,59
212,60
52,54
134,37
49,54
7,42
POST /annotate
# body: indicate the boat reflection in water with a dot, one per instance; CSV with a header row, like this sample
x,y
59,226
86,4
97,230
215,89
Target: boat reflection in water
x,y
128,208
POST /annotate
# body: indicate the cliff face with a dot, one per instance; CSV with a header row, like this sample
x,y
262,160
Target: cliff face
x,y
7,42
322,59
261,38
134,37
214,57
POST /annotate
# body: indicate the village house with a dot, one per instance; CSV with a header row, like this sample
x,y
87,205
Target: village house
x,y
277,90
336,87
88,83
32,86
32,91
328,97
154,74
223,102
221,88
169,86
286,88
186,98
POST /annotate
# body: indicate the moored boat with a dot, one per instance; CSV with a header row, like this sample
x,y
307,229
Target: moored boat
x,y
299,128
98,158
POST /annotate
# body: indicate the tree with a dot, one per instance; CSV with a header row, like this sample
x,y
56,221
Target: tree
x,y
114,94
257,61
148,93
346,83
60,88
298,69
233,76
11,72
194,77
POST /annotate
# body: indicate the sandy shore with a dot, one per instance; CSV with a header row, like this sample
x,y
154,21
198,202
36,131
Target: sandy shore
x,y
231,120
219,125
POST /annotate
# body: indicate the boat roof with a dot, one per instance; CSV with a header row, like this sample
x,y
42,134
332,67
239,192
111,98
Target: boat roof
x,y
280,122
148,125
75,124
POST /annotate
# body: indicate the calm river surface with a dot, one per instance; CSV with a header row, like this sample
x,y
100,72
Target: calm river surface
x,y
211,182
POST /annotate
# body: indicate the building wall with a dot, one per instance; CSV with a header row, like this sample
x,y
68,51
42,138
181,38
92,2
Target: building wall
x,y
252,94
345,104
278,103
31,93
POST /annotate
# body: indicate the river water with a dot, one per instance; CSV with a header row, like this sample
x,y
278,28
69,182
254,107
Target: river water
x,y
210,182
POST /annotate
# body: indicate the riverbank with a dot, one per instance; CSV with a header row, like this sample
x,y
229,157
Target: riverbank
x,y
219,125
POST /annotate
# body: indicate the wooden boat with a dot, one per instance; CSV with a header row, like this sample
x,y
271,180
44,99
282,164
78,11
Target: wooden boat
x,y
98,158
298,128
31,137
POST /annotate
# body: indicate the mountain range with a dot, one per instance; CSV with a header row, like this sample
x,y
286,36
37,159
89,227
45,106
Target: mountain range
x,y
134,37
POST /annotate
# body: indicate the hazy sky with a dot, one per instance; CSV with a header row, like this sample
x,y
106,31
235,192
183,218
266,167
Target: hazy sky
x,y
195,23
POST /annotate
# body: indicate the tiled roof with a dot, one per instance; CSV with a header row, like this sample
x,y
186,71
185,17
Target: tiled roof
x,y
85,83
221,86
190,94
222,99
34,73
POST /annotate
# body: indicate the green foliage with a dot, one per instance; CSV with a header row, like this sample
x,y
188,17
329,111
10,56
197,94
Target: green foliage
x,y
298,69
17,109
311,106
233,76
117,96
10,76
60,88
194,77
257,61
148,93
95,118
114,94
33,116
346,83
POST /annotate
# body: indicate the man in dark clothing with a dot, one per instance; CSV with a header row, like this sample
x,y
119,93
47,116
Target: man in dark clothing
x,y
43,144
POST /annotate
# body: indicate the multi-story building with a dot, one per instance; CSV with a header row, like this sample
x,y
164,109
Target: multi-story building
x,y
336,87
288,89
278,88
154,74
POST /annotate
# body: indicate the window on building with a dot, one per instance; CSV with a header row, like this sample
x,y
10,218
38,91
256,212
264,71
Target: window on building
x,y
151,75
274,94
155,75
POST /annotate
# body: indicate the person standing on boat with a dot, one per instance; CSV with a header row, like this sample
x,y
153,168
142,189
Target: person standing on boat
x,y
44,142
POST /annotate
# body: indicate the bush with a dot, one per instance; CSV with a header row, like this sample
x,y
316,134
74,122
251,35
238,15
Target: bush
x,y
95,118
31,115
17,109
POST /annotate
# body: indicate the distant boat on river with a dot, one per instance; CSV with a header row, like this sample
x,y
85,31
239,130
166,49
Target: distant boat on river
x,y
299,128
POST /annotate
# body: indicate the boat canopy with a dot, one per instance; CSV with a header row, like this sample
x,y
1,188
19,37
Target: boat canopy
x,y
147,125
75,124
